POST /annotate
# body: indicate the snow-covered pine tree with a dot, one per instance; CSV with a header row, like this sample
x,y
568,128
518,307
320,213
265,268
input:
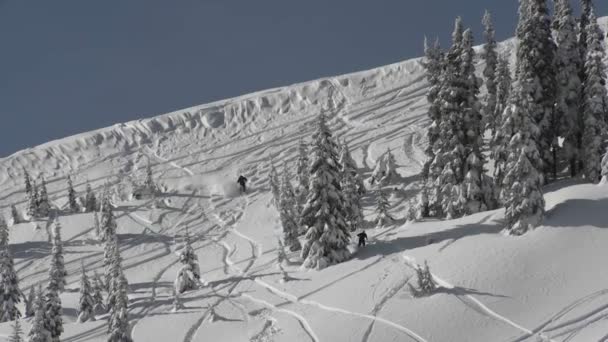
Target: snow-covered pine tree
x,y
595,101
74,207
490,56
324,214
503,89
10,294
189,275
98,289
382,206
447,167
433,63
475,189
16,336
347,164
586,8
385,169
569,86
302,177
27,180
109,252
38,331
53,311
275,185
90,199
86,309
352,202
30,303
15,215
57,270
43,206
536,67
32,202
287,212
119,317
108,222
115,274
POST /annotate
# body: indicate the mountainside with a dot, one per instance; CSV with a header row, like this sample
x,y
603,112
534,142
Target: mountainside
x,y
549,285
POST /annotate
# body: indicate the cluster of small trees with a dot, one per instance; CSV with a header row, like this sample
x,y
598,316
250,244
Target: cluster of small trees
x,y
558,94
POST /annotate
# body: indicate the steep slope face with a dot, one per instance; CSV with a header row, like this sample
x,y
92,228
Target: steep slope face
x,y
494,287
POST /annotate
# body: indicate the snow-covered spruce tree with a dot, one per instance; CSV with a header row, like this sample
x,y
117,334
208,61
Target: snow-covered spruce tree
x,y
595,101
275,185
115,273
426,283
98,289
189,275
521,185
32,202
352,202
109,252
74,207
287,212
382,206
385,169
347,164
324,214
38,331
586,8
536,67
90,199
302,177
476,192
108,222
27,180
503,89
53,311
118,326
433,63
447,167
490,56
15,215
30,303
17,334
569,86
86,308
10,294
43,206
57,270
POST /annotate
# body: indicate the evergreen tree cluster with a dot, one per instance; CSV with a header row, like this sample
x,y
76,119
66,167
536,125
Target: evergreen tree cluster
x,y
547,121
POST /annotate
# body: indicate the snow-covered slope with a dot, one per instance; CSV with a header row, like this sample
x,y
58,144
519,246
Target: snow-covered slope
x,y
550,283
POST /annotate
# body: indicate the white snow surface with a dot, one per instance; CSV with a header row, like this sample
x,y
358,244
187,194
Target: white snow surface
x,y
548,285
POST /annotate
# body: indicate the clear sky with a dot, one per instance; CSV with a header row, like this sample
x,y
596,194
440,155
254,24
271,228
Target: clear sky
x,y
71,66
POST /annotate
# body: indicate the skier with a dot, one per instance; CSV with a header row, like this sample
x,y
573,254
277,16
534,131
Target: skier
x,y
362,237
243,183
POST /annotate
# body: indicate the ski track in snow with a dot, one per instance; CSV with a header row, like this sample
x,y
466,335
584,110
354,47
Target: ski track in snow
x,y
412,263
175,165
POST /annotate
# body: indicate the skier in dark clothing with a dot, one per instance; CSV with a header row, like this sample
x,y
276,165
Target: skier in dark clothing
x,y
243,183
362,237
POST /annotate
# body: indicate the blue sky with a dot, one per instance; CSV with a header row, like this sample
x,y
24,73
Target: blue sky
x,y
73,66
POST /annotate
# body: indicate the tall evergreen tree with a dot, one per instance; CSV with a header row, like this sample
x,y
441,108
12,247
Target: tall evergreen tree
x,y
109,252
586,8
74,207
30,303
15,215
119,317
324,214
10,294
503,89
16,336
53,322
433,63
57,270
38,331
108,222
382,206
43,206
490,56
287,212
189,275
27,180
352,201
595,101
86,308
302,177
568,63
32,202
90,199
275,185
